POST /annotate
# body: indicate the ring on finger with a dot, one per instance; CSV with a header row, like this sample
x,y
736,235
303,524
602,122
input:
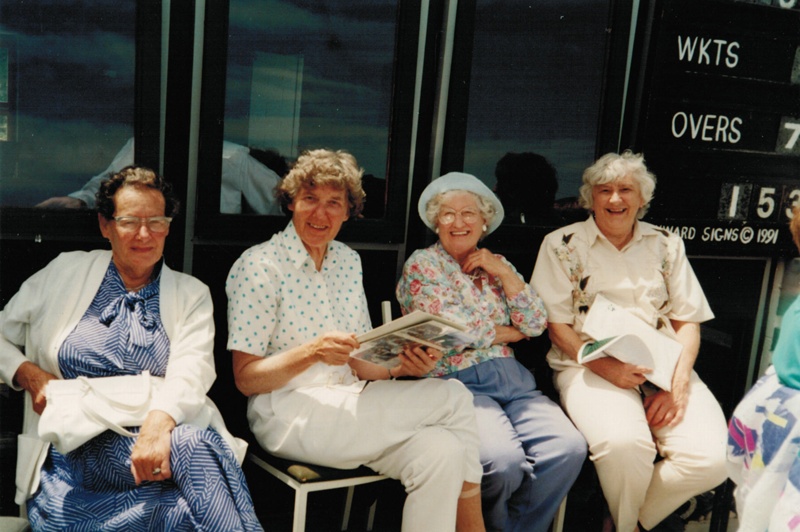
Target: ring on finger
x,y
156,471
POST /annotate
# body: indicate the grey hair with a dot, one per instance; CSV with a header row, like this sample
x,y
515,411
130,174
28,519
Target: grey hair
x,y
484,205
611,167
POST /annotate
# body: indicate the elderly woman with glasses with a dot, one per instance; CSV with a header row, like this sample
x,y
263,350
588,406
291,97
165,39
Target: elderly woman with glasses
x,y
530,452
115,313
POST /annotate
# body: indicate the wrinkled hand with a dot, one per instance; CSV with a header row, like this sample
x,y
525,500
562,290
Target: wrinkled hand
x,y
333,348
667,408
618,373
416,361
61,202
34,379
152,448
487,261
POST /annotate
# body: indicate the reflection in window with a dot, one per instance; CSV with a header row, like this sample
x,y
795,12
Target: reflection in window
x,y
304,75
70,78
536,86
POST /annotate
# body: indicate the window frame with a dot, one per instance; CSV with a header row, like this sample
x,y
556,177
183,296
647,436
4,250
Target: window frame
x,y
210,224
40,225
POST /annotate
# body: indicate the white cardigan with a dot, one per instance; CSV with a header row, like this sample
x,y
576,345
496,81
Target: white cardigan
x,y
49,305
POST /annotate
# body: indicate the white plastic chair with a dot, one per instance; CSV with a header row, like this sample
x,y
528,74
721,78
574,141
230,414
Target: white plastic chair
x,y
305,478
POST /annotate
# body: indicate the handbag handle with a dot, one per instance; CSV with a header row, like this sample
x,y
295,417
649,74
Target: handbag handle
x,y
91,411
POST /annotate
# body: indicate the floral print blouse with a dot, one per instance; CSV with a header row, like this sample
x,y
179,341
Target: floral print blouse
x,y
432,281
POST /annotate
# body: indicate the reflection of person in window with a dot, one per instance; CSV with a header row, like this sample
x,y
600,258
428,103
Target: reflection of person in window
x,y
244,178
526,186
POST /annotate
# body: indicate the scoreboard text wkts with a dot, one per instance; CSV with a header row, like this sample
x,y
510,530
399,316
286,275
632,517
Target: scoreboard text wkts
x,y
717,116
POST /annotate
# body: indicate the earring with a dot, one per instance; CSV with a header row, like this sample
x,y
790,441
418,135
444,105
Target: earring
x,y
436,230
485,228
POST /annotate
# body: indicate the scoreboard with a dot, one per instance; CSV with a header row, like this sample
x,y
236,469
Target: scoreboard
x,y
716,113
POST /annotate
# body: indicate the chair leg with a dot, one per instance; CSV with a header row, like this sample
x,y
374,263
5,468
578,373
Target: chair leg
x,y
300,504
348,504
558,521
371,518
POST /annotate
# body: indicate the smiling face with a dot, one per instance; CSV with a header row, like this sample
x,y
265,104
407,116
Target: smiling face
x,y
615,207
318,214
460,237
135,252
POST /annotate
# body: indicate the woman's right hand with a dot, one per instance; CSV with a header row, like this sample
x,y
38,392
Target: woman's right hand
x,y
34,379
334,348
618,373
507,334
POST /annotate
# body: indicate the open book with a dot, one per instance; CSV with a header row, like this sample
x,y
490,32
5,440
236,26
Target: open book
x,y
620,334
382,344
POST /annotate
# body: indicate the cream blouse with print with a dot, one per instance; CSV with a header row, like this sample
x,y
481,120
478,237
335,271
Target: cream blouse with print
x,y
651,277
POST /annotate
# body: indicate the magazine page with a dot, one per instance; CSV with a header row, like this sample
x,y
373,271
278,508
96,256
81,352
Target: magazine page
x,y
384,350
405,322
382,344
658,351
632,350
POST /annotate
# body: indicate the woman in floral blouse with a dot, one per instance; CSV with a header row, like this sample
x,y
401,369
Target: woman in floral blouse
x,y
531,453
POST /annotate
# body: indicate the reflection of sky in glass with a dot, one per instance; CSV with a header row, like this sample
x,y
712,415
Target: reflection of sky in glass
x,y
75,85
536,85
347,50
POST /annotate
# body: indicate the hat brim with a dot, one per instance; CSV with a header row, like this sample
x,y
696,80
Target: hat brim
x,y
459,181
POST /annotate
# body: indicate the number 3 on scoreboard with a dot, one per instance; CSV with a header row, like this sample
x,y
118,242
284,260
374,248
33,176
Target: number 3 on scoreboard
x,y
791,200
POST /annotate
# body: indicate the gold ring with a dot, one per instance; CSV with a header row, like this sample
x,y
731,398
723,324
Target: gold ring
x,y
157,471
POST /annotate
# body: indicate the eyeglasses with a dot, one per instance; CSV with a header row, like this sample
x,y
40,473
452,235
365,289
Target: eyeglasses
x,y
468,216
155,224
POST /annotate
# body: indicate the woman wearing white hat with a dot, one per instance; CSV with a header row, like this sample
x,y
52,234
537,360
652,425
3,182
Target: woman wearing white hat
x,y
530,451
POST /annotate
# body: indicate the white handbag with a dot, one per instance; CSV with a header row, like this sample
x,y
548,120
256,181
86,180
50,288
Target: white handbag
x,y
79,409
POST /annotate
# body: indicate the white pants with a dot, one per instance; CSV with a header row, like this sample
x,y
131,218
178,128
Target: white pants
x,y
422,433
623,448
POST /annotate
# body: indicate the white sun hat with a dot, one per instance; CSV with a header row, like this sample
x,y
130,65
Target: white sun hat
x,y
459,181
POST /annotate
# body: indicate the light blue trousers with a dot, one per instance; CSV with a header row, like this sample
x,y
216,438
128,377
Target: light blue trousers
x,y
530,451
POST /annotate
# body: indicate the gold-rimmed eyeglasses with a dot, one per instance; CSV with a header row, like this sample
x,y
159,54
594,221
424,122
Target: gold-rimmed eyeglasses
x,y
468,216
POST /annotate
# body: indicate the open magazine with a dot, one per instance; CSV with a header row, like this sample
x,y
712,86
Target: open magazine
x,y
620,334
382,344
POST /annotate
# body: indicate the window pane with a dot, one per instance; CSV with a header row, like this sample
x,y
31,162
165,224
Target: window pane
x,y
536,85
304,75
68,71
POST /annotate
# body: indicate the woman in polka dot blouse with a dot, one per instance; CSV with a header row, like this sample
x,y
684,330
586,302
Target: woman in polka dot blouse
x,y
295,305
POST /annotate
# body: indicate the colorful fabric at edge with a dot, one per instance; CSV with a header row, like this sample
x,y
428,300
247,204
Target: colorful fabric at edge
x,y
763,461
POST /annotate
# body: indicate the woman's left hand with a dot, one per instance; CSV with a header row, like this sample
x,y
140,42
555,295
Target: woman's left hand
x,y
495,266
416,362
666,408
150,455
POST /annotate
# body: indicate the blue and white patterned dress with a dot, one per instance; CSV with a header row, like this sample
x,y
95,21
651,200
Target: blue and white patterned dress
x,y
92,487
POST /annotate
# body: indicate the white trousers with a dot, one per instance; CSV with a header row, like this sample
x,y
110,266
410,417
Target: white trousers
x,y
623,448
422,433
